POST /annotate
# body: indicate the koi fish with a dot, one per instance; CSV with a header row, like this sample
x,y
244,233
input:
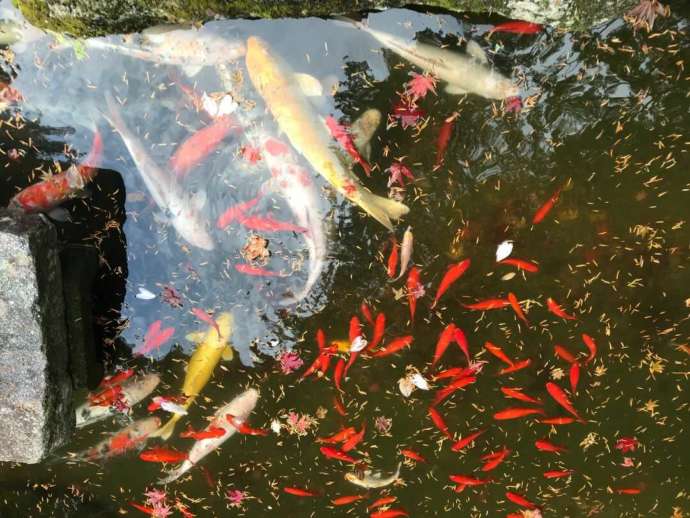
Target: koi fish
x,y
517,412
200,144
297,119
464,73
488,304
439,422
46,195
515,304
371,480
517,27
211,432
166,455
211,347
164,189
134,390
269,224
519,395
235,212
591,346
520,500
444,340
341,134
522,364
332,453
126,439
561,398
393,259
462,443
405,252
106,397
394,346
520,264
241,426
413,289
410,454
296,491
117,378
498,353
544,445
546,208
443,139
453,273
240,406
557,310
256,271
346,500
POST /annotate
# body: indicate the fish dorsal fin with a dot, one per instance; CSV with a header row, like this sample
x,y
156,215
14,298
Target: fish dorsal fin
x,y
476,52
228,354
310,86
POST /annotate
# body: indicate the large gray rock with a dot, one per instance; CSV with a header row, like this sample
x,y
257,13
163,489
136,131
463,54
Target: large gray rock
x,y
35,387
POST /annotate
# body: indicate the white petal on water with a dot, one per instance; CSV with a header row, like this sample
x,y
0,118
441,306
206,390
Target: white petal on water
x,y
173,408
504,250
508,276
145,294
406,387
227,105
210,106
418,380
358,344
275,426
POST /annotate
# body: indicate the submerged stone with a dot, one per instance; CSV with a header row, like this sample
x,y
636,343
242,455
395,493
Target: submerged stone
x,y
35,384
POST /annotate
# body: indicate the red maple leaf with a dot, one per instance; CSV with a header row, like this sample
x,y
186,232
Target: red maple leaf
x,y
407,113
420,85
398,172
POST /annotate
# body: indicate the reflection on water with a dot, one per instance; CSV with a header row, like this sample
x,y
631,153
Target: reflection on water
x,y
229,210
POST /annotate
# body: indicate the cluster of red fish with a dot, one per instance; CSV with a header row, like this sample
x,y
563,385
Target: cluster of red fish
x,y
457,378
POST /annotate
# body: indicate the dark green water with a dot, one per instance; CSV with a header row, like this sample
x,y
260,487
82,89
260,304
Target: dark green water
x,y
608,117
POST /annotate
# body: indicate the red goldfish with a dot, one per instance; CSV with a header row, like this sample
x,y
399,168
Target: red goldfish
x,y
518,394
268,224
493,460
393,259
366,313
204,317
515,304
546,208
564,353
466,440
342,135
557,310
561,398
466,480
354,439
574,376
389,513
345,500
517,412
498,353
332,453
521,264
544,445
200,144
117,378
211,432
244,428
256,271
444,340
338,373
382,501
162,455
453,273
518,27
236,212
413,290
413,455
437,419
557,420
444,135
520,500
155,337
558,473
394,346
340,436
488,304
522,364
461,340
379,328
296,491
452,387
591,346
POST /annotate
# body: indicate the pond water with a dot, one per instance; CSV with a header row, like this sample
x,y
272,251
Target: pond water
x,y
603,122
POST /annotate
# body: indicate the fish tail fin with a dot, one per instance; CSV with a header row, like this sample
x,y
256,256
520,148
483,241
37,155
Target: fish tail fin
x,y
382,209
165,431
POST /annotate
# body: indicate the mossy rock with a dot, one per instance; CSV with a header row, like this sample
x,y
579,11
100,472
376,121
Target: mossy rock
x,y
85,18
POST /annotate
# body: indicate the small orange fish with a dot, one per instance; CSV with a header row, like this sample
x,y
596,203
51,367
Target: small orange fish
x,y
332,453
453,273
628,491
413,290
520,264
461,340
557,420
444,341
520,500
296,491
546,208
516,393
498,353
466,440
106,397
204,317
544,445
366,313
488,304
517,412
144,508
354,439
117,378
493,460
162,455
457,384
211,432
515,304
438,420
393,259
564,354
394,346
558,473
340,436
389,513
338,373
410,454
574,376
561,398
244,428
355,328
379,329
522,364
339,407
591,346
345,500
557,310
382,501
466,480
